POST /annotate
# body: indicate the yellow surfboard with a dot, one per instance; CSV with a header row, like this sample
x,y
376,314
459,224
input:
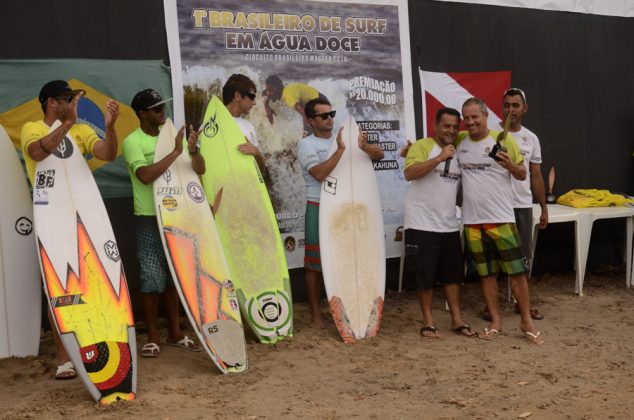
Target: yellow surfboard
x,y
247,227
83,274
196,259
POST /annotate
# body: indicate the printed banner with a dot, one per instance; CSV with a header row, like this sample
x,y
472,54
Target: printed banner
x,y
452,89
353,53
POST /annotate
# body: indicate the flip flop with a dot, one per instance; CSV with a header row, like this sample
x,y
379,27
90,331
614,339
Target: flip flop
x,y
535,314
65,371
150,350
461,330
490,334
186,343
432,329
532,338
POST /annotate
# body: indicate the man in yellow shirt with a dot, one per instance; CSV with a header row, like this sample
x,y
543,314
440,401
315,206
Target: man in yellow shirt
x,y
294,95
59,102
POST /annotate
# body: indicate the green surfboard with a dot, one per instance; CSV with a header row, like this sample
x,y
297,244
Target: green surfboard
x,y
247,227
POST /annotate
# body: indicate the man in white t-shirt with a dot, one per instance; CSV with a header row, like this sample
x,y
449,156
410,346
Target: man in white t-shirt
x,y
432,231
238,95
514,103
312,154
488,163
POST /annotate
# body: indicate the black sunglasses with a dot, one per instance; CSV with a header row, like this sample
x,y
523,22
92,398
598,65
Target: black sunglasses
x,y
250,95
157,108
65,98
324,115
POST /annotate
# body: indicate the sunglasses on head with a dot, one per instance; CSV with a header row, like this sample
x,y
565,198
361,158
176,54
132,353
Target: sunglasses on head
x,y
324,115
516,91
250,95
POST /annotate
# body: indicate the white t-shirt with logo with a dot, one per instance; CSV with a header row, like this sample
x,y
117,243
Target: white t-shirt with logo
x,y
311,151
248,130
486,186
430,202
532,153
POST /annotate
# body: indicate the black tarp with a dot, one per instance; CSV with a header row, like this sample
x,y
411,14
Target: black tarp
x,y
576,70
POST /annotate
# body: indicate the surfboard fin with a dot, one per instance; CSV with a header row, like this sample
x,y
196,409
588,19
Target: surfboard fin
x,y
216,205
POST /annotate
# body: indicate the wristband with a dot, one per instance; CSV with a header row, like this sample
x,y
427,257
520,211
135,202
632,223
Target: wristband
x,y
44,148
195,152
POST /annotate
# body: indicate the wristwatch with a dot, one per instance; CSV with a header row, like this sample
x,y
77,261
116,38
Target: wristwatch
x,y
195,152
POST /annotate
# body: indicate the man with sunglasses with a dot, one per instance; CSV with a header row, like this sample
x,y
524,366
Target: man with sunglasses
x,y
514,103
154,275
59,102
238,95
312,154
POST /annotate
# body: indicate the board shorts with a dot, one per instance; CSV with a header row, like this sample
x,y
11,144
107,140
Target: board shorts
x,y
434,258
524,223
312,257
495,246
154,274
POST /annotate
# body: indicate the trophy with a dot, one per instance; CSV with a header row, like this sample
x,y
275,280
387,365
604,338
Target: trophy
x,y
502,136
550,197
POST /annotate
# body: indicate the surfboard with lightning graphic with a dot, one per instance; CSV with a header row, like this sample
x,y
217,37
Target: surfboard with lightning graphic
x,y
83,275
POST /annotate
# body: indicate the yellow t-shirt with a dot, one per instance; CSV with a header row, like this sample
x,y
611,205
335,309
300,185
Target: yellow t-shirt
x,y
298,92
83,135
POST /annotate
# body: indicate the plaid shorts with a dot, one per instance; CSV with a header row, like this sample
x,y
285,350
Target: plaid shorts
x,y
491,246
154,273
312,257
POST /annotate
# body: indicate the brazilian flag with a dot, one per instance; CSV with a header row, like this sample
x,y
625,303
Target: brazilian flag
x,y
102,80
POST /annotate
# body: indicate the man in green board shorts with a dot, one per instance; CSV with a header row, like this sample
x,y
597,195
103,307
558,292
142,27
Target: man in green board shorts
x,y
514,103
492,239
155,278
59,102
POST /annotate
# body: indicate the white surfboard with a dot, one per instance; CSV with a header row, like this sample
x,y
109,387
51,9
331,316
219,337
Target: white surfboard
x,y
20,287
352,242
83,274
196,258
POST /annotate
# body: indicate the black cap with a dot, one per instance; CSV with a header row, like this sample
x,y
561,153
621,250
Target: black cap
x,y
57,89
147,99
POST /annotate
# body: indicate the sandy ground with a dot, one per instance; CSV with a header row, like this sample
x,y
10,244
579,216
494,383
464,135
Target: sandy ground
x,y
584,371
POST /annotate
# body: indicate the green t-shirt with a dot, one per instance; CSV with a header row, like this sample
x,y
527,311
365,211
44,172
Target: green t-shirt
x,y
138,151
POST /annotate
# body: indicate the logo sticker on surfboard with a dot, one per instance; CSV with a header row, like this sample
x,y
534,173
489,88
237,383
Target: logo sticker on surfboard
x,y
330,185
195,192
169,191
112,251
270,311
24,226
167,176
211,127
65,149
43,180
169,203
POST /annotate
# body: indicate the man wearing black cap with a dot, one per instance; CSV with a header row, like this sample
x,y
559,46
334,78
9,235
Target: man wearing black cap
x,y
59,102
155,278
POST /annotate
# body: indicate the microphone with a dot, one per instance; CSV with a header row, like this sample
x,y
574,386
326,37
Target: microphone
x,y
447,163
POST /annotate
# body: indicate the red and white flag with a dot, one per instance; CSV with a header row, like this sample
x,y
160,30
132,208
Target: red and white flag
x,y
452,89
